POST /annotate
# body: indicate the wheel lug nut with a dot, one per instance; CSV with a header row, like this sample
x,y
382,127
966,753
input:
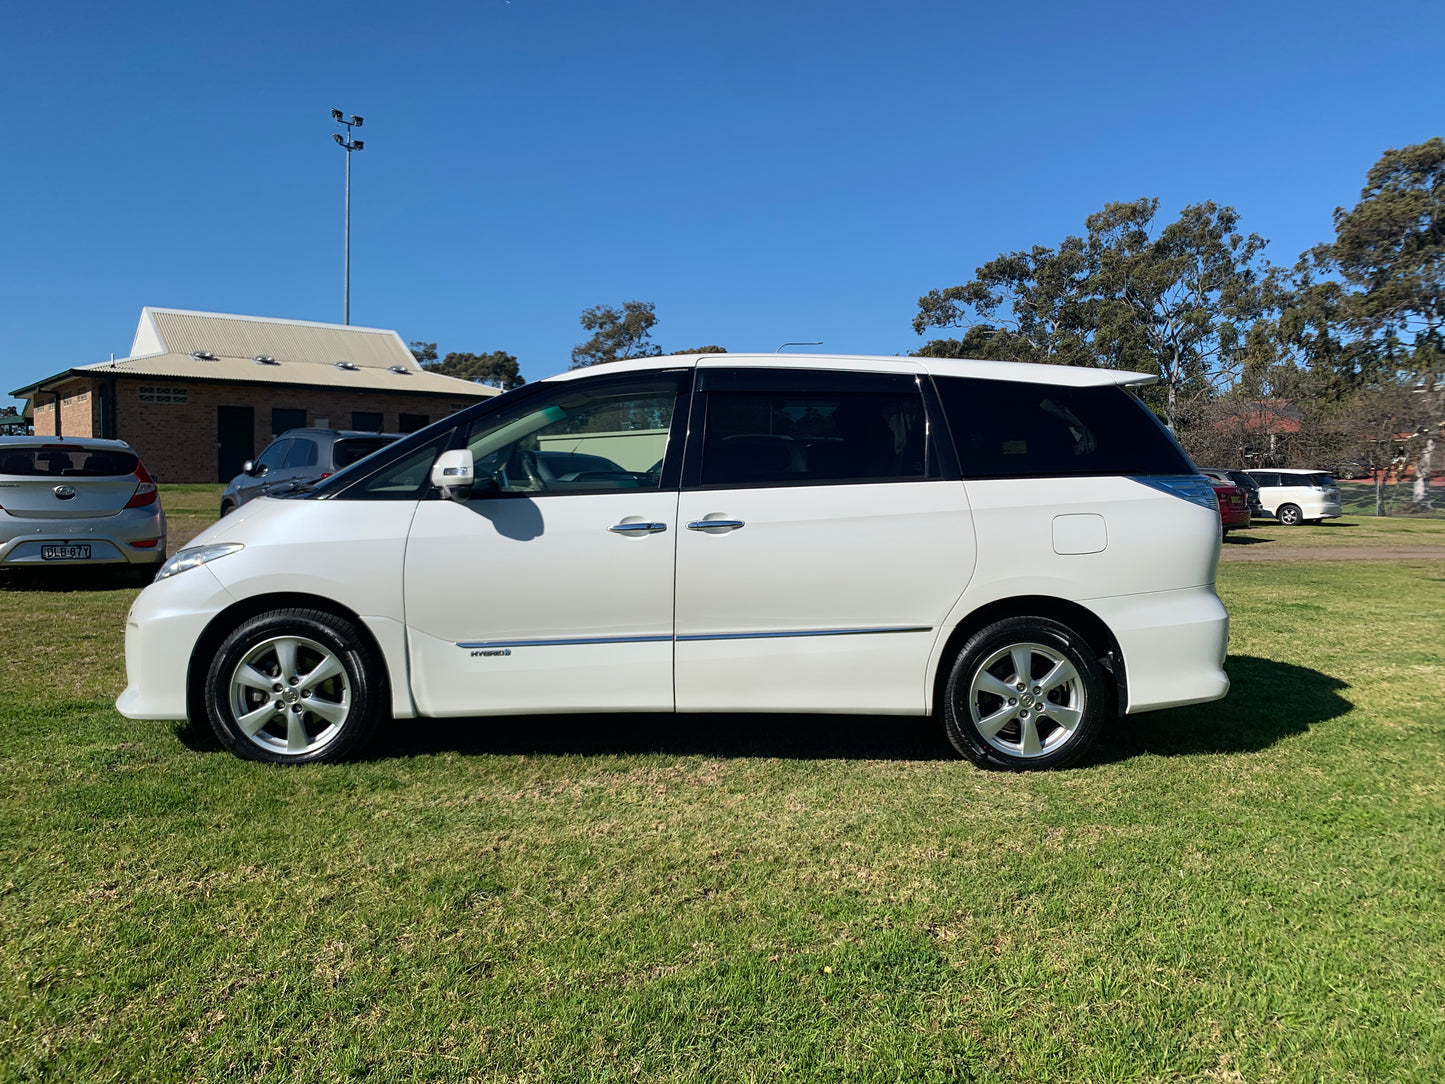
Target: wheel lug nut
x,y
1020,686
295,680
1037,690
296,708
1012,701
305,692
276,688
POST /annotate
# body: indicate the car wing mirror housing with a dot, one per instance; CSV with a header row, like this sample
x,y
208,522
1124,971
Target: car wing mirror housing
x,y
248,467
452,474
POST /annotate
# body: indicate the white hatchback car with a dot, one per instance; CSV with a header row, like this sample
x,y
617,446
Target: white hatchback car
x,y
1021,549
1295,496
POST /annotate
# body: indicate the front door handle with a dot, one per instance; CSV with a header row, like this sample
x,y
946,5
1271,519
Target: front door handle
x,y
638,528
709,524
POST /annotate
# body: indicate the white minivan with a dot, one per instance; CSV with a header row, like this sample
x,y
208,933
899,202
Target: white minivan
x,y
1022,550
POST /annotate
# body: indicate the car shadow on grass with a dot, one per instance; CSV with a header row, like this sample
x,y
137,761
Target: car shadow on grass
x,y
1268,701
66,580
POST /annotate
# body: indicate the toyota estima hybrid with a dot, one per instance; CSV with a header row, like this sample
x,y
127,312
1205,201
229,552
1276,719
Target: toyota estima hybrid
x,y
68,502
1021,549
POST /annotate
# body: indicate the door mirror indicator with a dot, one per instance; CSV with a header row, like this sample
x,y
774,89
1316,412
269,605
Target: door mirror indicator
x,y
452,474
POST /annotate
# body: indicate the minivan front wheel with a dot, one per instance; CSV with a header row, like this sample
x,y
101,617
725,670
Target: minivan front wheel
x,y
1024,693
294,686
1289,515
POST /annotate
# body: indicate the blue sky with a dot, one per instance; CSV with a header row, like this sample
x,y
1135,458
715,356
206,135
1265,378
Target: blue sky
x,y
763,172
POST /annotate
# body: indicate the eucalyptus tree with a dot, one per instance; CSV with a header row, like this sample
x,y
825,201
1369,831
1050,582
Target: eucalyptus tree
x,y
1389,251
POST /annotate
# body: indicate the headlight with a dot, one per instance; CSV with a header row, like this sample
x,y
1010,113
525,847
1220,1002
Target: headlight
x,y
198,556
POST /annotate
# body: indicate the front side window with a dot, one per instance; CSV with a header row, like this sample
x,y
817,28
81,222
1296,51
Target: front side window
x,y
797,427
591,435
302,453
273,456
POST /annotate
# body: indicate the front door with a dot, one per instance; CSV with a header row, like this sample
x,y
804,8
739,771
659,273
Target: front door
x,y
551,589
235,439
821,545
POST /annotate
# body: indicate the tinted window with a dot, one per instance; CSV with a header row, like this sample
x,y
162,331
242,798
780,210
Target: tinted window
x,y
302,453
274,456
587,436
811,428
346,452
1009,429
1265,479
66,461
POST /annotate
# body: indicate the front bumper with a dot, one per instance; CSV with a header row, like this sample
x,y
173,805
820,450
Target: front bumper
x,y
161,631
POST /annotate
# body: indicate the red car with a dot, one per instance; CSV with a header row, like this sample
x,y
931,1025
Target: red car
x,y
1233,508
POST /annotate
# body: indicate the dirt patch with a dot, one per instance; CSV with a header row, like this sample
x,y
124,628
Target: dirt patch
x,y
1332,553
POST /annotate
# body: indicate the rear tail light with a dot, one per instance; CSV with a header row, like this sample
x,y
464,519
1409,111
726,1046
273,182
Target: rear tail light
x,y
145,488
146,543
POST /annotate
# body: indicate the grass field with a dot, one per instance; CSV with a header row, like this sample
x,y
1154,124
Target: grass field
x,y
1245,891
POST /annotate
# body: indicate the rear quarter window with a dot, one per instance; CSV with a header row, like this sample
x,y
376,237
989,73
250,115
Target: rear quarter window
x,y
1011,429
348,452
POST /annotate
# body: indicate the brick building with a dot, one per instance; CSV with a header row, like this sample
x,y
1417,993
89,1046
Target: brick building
x,y
202,392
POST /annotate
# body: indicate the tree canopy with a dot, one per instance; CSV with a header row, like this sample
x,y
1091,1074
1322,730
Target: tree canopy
x,y
1177,300
617,334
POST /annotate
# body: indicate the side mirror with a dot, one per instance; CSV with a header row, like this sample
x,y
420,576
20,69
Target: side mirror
x,y
452,474
249,467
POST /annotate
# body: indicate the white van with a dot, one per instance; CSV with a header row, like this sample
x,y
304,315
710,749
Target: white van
x,y
1021,550
1295,496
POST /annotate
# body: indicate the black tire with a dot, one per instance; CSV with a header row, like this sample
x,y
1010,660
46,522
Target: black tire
x,y
354,695
1072,710
1289,515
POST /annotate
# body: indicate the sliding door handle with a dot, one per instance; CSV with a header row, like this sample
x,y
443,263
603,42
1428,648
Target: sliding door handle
x,y
638,528
719,524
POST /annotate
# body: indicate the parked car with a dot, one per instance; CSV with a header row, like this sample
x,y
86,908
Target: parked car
x,y
1242,479
300,457
1020,549
1234,510
78,503
1295,496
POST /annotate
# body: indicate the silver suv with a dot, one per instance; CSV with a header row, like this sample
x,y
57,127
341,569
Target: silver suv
x,y
298,459
68,501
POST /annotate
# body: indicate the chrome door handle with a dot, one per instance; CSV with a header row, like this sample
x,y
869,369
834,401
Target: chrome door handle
x,y
708,524
638,528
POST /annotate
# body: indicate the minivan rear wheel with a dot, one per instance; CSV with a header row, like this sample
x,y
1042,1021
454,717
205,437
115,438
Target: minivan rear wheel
x,y
1289,515
294,686
1024,693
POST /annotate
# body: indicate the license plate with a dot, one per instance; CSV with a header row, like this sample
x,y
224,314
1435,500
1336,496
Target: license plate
x,y
80,552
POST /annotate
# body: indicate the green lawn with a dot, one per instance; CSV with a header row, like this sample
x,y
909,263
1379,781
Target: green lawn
x,y
1245,891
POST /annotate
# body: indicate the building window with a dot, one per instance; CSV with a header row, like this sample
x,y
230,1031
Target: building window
x,y
284,418
367,421
155,393
410,423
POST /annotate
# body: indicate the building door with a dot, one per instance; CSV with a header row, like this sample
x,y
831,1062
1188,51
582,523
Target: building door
x,y
284,418
235,439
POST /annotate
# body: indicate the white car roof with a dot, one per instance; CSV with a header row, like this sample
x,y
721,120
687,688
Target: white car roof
x,y
1285,470
1021,371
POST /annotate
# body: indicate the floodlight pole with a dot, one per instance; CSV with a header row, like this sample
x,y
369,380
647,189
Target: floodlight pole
x,y
347,144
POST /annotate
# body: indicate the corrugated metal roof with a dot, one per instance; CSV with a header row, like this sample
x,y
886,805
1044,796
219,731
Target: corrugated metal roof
x,y
315,373
240,337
